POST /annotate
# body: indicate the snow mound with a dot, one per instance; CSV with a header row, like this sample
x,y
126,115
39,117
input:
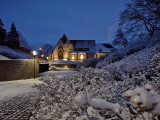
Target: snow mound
x,y
3,58
13,54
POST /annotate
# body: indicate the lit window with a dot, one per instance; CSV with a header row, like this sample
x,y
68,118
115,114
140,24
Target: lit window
x,y
73,56
81,56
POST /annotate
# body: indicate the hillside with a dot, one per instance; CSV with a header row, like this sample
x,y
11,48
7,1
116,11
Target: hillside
x,y
13,54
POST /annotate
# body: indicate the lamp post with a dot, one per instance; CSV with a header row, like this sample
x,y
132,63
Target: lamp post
x,y
34,54
42,57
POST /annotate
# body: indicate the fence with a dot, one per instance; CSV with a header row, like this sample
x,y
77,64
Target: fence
x,y
18,69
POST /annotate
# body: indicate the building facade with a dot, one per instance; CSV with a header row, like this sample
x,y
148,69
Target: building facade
x,y
78,50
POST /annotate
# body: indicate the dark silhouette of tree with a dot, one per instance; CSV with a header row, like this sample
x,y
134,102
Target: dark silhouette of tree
x,y
13,36
47,49
120,38
140,17
22,41
2,33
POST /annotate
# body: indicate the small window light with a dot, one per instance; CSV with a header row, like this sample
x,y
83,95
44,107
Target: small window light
x,y
73,56
81,56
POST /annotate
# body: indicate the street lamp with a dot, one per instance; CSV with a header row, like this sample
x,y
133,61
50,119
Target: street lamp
x,y
47,58
34,54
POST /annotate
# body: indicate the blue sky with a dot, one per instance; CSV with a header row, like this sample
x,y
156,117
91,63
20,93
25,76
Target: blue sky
x,y
45,21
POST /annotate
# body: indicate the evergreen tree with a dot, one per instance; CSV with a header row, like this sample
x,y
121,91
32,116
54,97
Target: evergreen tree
x,y
2,33
13,36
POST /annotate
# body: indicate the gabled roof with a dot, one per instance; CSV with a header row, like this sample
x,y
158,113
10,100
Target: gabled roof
x,y
64,38
84,44
101,47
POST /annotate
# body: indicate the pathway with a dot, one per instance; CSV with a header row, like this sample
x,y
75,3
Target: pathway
x,y
18,98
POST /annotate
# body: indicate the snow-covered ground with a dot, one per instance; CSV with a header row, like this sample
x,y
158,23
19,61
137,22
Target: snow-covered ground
x,y
3,58
62,72
9,89
13,54
63,62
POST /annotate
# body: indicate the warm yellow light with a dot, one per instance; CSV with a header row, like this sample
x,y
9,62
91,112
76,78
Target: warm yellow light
x,y
81,56
65,59
55,59
40,49
47,58
72,57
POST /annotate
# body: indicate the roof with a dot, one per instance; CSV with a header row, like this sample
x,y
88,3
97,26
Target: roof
x,y
101,47
64,38
86,45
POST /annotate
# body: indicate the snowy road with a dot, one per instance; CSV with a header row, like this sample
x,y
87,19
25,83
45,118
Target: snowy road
x,y
9,89
58,73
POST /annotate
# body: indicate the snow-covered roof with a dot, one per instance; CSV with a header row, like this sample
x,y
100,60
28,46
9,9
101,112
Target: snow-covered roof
x,y
101,47
84,45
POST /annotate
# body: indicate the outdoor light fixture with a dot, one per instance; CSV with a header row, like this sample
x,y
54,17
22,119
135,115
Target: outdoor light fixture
x,y
42,56
47,58
40,49
34,54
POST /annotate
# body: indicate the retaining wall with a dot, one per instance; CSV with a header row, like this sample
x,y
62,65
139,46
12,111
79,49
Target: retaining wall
x,y
18,69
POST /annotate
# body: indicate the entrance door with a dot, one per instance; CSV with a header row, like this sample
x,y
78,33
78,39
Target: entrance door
x,y
60,54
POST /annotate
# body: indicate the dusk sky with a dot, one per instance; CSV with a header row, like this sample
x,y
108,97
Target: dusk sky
x,y
45,21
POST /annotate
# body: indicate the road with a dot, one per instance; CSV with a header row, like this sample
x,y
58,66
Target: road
x,y
9,89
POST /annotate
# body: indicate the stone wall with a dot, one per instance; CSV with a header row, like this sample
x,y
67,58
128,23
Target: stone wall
x,y
18,69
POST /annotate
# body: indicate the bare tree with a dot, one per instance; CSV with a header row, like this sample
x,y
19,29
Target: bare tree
x,y
120,38
47,49
139,17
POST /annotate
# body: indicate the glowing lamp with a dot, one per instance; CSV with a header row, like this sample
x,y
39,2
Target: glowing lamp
x,y
34,53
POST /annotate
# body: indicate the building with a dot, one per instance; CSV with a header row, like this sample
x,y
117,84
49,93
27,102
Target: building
x,y
78,50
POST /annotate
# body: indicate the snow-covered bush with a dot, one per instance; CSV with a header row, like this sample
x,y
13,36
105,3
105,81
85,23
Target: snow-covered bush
x,y
145,100
92,62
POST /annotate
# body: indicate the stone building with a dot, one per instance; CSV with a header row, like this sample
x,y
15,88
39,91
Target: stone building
x,y
78,50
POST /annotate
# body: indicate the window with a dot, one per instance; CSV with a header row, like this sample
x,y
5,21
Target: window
x,y
81,56
73,57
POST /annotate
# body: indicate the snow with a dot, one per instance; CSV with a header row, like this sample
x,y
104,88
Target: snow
x,y
9,89
100,46
3,58
13,54
62,62
59,73
118,86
